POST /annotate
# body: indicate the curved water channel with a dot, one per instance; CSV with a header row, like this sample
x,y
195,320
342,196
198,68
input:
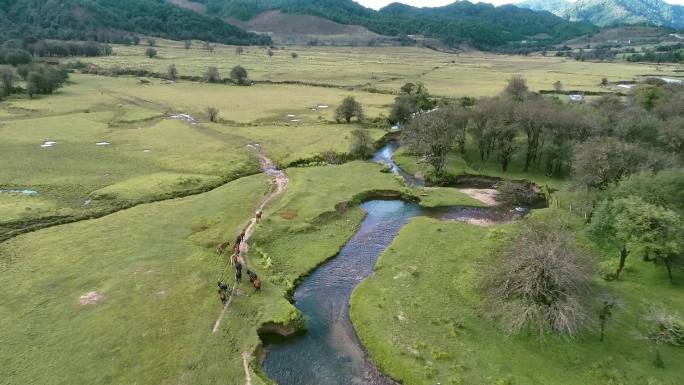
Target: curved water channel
x,y
329,353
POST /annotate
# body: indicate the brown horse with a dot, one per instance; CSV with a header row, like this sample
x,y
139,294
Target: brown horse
x,y
221,248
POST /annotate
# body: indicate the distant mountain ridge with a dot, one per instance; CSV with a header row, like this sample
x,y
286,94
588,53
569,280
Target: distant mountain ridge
x,y
114,21
613,12
481,25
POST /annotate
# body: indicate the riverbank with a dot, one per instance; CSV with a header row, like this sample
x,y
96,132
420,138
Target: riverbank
x,y
421,320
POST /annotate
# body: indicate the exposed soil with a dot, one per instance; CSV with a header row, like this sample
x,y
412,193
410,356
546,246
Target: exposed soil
x,y
484,195
91,298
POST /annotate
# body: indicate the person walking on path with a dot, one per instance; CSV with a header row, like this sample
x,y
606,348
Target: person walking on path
x,y
238,271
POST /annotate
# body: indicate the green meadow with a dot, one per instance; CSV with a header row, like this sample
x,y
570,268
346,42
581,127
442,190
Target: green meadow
x,y
420,316
136,221
383,68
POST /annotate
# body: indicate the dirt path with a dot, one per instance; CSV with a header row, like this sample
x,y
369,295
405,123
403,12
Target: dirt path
x,y
279,182
245,364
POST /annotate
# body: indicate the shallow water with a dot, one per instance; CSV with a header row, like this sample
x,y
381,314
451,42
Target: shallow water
x,y
329,353
22,192
384,156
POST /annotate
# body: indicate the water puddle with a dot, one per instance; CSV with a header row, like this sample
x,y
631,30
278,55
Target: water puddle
x,y
20,191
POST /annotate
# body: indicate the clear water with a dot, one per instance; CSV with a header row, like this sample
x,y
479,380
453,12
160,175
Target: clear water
x,y
329,353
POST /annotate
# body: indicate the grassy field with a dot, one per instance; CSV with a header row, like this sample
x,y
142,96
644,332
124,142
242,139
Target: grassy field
x,y
385,68
457,166
155,264
156,267
421,319
151,156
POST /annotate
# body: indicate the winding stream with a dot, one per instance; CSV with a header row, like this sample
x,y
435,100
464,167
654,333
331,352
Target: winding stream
x,y
329,353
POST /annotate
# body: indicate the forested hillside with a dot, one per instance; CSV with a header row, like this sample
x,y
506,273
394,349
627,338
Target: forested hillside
x,y
481,25
114,21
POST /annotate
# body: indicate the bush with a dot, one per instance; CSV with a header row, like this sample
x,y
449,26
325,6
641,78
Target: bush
x,y
212,113
239,75
511,194
349,109
151,52
361,145
539,283
212,75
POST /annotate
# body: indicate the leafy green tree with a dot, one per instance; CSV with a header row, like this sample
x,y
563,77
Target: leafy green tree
x,y
7,78
239,75
650,229
349,109
151,52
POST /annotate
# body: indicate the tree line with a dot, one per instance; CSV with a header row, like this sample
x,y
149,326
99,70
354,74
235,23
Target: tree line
x,y
625,153
115,22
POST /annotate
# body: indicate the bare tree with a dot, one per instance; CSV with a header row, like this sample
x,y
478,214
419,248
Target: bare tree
x,y
361,145
212,75
212,113
539,283
558,86
187,44
239,50
665,328
151,52
294,55
517,88
432,136
172,72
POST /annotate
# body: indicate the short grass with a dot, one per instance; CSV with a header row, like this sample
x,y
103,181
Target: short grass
x,y
441,196
385,68
152,156
156,266
456,165
420,318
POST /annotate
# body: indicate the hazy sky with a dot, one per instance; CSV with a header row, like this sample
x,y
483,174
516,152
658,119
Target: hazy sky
x,y
436,3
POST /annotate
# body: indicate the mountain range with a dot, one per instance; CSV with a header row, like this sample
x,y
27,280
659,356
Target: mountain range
x,y
480,25
613,12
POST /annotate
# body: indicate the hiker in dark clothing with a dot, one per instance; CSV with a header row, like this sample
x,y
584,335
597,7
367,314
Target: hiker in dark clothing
x,y
238,271
223,292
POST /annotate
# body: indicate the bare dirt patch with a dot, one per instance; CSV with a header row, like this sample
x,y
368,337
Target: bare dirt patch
x,y
484,195
289,214
91,298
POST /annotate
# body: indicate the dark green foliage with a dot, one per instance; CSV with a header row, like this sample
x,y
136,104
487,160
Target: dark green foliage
x,y
151,52
482,25
115,21
349,109
239,75
14,56
43,79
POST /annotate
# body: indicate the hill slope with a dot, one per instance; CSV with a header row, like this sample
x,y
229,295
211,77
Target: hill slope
x,y
482,25
114,20
612,12
607,12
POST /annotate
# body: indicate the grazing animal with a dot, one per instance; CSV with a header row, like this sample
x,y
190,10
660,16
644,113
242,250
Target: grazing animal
x,y
258,215
221,248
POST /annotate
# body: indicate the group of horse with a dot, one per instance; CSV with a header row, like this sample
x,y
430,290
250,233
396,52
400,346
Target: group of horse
x,y
238,259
